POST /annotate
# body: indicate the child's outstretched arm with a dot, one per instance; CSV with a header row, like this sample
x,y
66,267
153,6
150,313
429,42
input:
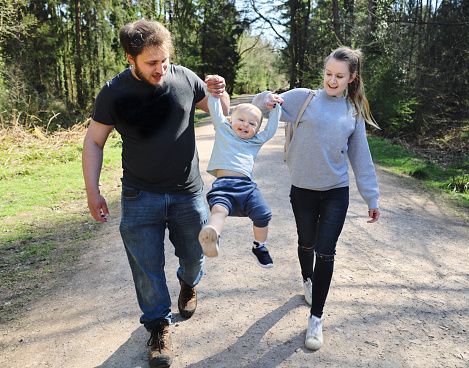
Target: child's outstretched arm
x,y
215,109
216,87
272,123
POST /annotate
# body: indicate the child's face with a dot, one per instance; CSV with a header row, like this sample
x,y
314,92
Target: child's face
x,y
244,123
336,77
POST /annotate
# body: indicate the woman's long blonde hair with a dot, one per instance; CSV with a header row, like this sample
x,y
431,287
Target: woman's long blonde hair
x,y
355,89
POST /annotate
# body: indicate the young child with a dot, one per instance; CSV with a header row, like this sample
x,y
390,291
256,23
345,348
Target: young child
x,y
233,193
331,128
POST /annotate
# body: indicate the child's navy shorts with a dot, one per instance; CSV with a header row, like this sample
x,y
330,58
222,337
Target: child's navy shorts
x,y
241,198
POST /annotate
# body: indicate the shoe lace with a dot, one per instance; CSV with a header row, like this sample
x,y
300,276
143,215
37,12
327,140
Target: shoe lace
x,y
187,293
156,339
314,327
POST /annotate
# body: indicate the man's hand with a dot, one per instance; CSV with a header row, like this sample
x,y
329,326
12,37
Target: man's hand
x,y
98,207
215,85
273,99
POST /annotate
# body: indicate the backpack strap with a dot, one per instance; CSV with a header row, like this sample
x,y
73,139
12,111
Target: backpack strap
x,y
303,108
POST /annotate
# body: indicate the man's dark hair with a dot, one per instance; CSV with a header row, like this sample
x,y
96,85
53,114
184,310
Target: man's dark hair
x,y
136,36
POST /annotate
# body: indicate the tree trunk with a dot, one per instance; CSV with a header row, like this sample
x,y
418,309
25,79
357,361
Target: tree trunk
x,y
78,55
293,43
335,21
370,14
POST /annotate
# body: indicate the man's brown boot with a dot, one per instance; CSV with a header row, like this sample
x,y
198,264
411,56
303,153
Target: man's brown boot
x,y
160,346
187,302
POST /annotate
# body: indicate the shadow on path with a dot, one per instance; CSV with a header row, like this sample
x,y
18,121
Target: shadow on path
x,y
253,336
132,352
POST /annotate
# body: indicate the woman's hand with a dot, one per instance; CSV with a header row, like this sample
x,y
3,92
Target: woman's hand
x,y
272,99
374,214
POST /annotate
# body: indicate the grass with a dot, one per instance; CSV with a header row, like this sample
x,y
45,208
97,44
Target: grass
x,y
45,225
201,118
447,179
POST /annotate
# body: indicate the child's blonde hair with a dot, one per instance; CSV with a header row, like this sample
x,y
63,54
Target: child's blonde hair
x,y
250,107
355,89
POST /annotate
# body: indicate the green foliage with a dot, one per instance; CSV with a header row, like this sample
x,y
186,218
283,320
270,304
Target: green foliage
x,y
416,56
56,55
254,76
50,74
186,32
459,184
14,22
421,173
389,101
220,32
398,159
21,103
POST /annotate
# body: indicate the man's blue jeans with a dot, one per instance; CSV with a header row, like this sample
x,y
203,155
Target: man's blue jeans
x,y
145,217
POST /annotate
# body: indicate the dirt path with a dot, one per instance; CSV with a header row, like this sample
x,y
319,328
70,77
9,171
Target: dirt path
x,y
399,295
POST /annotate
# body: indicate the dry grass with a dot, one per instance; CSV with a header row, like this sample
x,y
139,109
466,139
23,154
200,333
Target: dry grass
x,y
39,137
23,150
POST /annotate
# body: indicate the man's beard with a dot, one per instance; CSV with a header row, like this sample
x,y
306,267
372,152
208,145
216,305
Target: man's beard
x,y
145,80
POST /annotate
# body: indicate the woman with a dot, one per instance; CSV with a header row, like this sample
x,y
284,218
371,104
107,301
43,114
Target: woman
x,y
331,128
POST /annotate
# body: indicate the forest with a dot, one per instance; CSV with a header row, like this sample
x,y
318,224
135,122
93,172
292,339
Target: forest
x,y
55,55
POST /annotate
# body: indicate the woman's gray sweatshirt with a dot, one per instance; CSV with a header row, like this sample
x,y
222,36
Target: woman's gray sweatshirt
x,y
326,134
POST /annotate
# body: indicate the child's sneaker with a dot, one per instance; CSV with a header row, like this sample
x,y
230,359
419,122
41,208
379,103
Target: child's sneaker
x,y
209,239
308,286
262,256
314,337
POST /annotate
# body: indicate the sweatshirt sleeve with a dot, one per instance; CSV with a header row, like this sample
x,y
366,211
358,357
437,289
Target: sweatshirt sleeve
x,y
362,165
259,100
293,102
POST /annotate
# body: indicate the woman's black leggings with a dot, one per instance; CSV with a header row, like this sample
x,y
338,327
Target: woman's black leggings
x,y
320,217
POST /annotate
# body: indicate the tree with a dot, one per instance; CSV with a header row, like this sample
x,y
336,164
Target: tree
x,y
254,76
220,31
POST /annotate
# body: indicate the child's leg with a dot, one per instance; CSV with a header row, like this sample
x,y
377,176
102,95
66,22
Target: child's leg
x,y
209,236
259,250
260,214
217,217
260,233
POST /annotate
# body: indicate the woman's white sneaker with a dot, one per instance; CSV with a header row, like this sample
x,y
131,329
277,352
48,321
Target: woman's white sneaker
x,y
308,286
314,337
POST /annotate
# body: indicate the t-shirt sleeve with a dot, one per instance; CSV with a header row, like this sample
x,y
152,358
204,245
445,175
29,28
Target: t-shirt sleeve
x,y
198,85
102,107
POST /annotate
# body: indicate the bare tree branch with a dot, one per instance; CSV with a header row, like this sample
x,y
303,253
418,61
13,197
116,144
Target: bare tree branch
x,y
268,21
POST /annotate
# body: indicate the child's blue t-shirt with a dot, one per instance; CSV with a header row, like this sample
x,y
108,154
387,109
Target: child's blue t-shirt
x,y
231,152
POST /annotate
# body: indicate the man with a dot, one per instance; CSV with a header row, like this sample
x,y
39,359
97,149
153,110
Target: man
x,y
151,105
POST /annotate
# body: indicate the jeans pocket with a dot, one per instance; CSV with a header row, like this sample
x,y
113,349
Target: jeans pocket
x,y
130,193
